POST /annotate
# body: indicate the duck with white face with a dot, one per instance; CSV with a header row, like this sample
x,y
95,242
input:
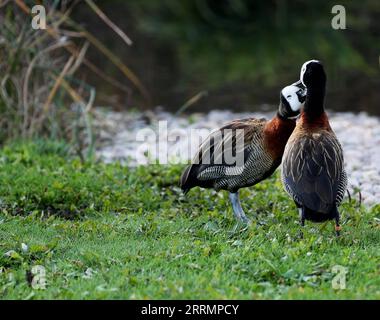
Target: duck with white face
x,y
264,143
292,99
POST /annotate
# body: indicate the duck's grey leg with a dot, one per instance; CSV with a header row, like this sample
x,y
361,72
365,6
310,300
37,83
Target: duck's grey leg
x,y
236,206
302,216
301,212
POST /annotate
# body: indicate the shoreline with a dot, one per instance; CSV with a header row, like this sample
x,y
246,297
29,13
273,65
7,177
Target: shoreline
x,y
359,135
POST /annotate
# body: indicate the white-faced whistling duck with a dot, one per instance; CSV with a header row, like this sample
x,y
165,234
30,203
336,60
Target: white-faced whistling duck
x,y
262,150
312,168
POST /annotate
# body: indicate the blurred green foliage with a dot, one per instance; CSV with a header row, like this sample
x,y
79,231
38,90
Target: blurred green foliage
x,y
229,38
235,46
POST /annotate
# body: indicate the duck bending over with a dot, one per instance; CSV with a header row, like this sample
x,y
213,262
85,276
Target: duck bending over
x,y
259,143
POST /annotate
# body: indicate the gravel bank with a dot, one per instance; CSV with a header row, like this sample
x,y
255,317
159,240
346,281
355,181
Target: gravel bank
x,y
359,135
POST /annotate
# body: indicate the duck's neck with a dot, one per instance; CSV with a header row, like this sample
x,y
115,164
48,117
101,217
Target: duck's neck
x,y
280,127
314,124
280,120
277,132
314,104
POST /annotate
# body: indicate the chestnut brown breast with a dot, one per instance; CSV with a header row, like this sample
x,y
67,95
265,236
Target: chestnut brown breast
x,y
276,134
314,124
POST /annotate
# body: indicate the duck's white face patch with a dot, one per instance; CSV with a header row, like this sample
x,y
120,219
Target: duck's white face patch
x,y
290,94
303,69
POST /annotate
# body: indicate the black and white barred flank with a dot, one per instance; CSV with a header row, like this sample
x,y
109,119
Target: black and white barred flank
x,y
257,165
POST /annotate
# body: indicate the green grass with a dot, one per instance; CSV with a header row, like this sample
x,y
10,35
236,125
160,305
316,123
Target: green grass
x,y
106,231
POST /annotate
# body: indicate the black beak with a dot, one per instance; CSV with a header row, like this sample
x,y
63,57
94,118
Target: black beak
x,y
301,93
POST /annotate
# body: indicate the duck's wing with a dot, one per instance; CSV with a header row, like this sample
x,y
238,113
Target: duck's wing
x,y
342,187
312,170
234,139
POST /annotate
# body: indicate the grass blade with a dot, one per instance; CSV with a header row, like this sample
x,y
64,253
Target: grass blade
x,y
107,21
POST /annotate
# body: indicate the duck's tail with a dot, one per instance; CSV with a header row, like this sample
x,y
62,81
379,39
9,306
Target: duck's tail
x,y
320,216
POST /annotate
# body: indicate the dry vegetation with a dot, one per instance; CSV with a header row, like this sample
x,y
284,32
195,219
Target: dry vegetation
x,y
41,91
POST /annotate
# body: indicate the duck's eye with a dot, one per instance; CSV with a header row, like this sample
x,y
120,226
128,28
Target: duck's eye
x,y
289,96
